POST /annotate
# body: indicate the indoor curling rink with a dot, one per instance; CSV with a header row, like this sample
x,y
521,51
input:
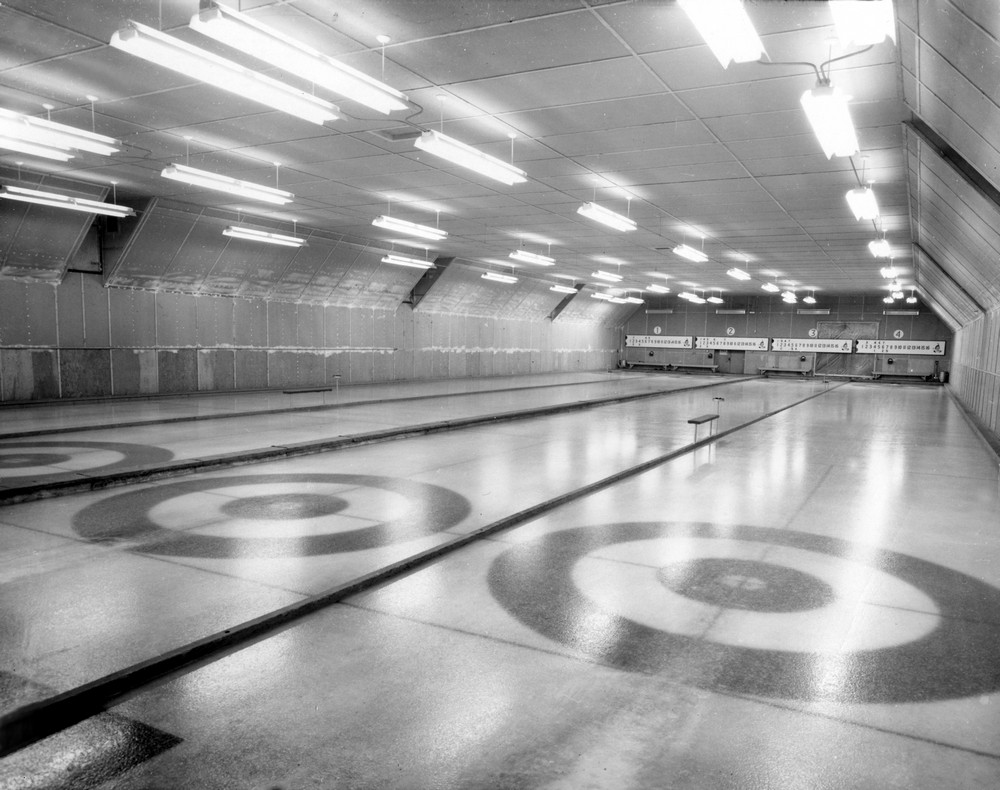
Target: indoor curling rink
x,y
557,586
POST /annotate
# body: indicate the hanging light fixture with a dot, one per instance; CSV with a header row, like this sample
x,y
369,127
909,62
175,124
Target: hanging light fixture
x,y
889,272
248,35
897,291
863,22
406,260
607,276
809,299
234,186
51,140
458,153
738,274
251,234
529,257
880,248
726,28
715,299
199,64
830,117
862,202
789,297
499,278
690,253
770,287
24,195
563,289
912,298
658,289
606,217
411,229
888,299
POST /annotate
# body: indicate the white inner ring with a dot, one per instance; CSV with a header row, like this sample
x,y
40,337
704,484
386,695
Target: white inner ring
x,y
80,459
201,512
870,610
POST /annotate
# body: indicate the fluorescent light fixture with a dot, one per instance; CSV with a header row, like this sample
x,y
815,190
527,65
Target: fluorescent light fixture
x,y
911,299
563,289
14,125
888,299
634,300
738,274
247,189
726,28
862,203
889,272
250,234
770,288
715,299
809,299
830,117
25,195
606,216
693,298
245,33
459,153
690,253
618,300
789,296
897,292
599,295
880,248
410,228
406,260
499,278
658,289
607,276
199,64
863,22
529,257
26,147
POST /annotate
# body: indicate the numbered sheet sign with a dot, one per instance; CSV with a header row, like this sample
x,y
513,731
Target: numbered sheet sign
x,y
658,341
927,347
732,343
833,345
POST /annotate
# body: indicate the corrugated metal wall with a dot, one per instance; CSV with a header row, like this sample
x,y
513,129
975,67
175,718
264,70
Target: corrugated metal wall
x,y
976,369
79,339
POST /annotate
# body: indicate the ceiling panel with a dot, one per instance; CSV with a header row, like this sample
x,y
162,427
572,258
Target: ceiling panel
x,y
607,101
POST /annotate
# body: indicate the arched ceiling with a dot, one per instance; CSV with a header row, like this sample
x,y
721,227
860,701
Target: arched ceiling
x,y
606,99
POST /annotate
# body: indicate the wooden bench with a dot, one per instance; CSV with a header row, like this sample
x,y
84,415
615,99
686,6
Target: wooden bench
x,y
681,365
701,420
924,376
659,365
765,371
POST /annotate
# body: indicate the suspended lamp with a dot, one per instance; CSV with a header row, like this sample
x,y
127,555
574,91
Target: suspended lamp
x,y
411,229
606,217
251,234
199,64
457,152
234,186
247,34
726,28
54,199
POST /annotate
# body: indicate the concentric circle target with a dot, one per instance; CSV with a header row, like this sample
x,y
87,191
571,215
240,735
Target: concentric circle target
x,y
35,459
272,515
758,611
